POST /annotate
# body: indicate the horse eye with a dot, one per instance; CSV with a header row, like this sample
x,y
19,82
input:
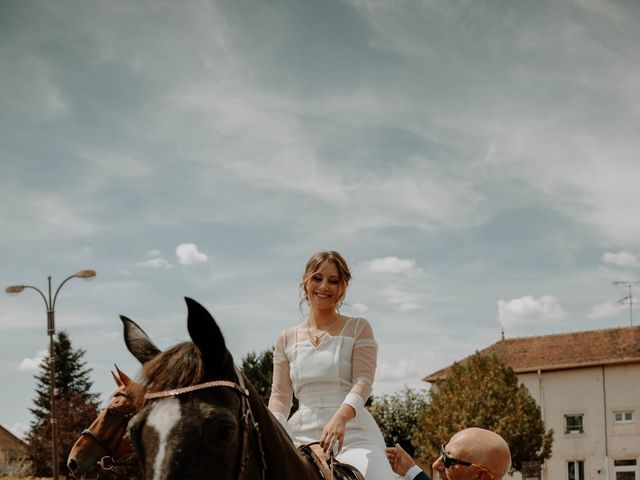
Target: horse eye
x,y
218,433
224,433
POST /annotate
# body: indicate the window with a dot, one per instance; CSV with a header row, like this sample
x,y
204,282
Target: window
x,y
575,470
625,469
573,424
623,417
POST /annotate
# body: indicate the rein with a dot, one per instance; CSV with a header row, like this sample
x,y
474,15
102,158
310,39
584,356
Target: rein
x,y
249,424
108,461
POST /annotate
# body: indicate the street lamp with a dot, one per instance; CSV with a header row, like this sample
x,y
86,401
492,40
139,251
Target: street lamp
x,y
51,329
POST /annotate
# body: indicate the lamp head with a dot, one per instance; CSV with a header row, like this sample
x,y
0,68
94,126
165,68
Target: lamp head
x,y
85,274
14,289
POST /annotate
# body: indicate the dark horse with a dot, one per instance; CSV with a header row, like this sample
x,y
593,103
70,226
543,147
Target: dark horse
x,y
203,419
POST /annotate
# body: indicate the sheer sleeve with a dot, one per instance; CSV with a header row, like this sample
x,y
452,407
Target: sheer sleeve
x,y
363,364
281,398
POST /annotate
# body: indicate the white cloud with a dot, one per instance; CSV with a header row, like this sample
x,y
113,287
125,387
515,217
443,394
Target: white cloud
x,y
47,213
604,310
29,88
392,265
188,254
156,263
360,307
401,371
620,259
115,163
527,310
32,364
155,260
404,301
393,377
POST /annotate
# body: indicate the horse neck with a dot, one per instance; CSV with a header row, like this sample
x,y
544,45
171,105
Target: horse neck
x,y
281,456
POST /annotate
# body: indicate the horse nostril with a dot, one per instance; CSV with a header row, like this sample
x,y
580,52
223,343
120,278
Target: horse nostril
x,y
72,465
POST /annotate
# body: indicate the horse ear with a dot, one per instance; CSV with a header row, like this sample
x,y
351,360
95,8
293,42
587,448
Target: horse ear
x,y
115,377
138,342
122,377
206,334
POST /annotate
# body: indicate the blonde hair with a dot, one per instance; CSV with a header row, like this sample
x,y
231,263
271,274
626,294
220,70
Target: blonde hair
x,y
313,264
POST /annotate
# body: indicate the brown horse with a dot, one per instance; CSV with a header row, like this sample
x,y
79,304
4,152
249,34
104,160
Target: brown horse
x,y
104,444
203,419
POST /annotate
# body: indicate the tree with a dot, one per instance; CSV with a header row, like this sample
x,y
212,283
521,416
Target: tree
x,y
74,414
484,392
258,367
76,406
397,416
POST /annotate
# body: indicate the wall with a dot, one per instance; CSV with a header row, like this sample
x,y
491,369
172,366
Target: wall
x,y
595,392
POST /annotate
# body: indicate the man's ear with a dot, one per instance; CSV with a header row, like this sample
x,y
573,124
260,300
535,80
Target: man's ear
x,y
484,475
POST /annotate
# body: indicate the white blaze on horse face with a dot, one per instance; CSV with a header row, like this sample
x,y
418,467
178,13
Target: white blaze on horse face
x,y
163,416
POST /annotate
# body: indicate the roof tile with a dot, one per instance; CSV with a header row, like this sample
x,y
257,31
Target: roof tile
x,y
564,350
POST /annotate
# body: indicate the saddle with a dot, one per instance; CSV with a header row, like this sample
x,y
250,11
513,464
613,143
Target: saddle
x,y
326,463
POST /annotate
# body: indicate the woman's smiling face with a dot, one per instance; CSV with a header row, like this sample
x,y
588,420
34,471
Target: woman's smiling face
x,y
324,288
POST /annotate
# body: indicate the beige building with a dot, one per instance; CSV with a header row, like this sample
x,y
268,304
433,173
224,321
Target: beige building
x,y
13,454
587,385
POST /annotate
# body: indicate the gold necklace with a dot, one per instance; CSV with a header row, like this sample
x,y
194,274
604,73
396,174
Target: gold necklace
x,y
316,339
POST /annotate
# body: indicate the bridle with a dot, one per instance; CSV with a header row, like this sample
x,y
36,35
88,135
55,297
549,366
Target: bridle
x,y
249,425
108,461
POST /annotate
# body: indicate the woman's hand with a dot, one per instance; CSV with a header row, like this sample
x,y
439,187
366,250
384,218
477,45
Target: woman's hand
x,y
334,431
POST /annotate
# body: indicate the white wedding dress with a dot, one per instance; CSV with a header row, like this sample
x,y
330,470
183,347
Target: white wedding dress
x,y
339,370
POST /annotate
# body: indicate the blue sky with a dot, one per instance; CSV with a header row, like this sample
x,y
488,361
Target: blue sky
x,y
475,162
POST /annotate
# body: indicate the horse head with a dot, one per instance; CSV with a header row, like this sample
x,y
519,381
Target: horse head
x,y
196,422
104,444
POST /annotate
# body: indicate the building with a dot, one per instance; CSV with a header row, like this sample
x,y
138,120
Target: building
x,y
587,385
13,454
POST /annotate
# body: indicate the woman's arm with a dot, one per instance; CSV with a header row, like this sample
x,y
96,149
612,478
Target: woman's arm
x,y
363,367
281,398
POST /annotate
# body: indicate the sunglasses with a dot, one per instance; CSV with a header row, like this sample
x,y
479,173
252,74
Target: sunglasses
x,y
448,461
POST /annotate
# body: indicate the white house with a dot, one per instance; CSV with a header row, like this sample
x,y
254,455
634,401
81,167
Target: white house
x,y
587,385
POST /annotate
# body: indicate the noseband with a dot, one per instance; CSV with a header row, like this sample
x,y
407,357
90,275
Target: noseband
x,y
108,461
249,424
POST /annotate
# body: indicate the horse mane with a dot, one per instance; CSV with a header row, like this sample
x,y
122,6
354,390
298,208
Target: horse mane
x,y
182,365
177,367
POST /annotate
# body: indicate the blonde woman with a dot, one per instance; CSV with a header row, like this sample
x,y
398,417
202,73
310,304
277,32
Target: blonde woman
x,y
329,362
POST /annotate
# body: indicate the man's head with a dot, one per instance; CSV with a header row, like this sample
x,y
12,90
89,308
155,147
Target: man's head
x,y
474,454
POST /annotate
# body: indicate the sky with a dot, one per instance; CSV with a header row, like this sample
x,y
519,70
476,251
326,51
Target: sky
x,y
476,162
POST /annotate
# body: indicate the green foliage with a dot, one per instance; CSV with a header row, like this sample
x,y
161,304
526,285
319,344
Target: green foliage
x,y
72,378
74,414
258,367
397,416
76,406
484,392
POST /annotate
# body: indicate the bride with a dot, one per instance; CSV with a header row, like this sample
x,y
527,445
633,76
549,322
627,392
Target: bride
x,y
329,362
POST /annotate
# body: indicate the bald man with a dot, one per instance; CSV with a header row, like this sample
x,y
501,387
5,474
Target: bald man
x,y
471,454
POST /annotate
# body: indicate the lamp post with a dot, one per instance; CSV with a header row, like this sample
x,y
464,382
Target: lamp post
x,y
51,330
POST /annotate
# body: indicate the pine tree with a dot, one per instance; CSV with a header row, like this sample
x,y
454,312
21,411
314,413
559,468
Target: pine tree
x,y
484,392
76,406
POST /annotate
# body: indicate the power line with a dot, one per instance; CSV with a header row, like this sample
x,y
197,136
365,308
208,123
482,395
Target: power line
x,y
629,298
